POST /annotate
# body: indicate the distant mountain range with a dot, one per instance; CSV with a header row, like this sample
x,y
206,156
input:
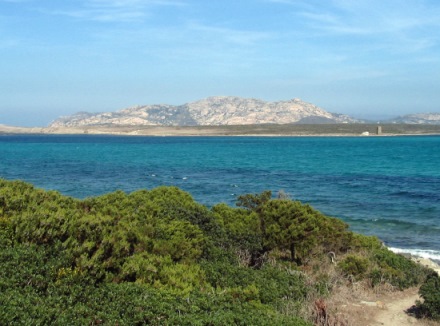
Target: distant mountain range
x,y
419,118
224,110
212,111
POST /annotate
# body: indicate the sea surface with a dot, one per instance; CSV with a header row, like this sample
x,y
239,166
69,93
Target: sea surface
x,y
383,186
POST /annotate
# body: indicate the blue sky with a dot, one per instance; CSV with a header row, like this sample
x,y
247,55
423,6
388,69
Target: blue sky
x,y
366,58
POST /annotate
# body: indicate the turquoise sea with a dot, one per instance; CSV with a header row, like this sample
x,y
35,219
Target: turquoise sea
x,y
385,186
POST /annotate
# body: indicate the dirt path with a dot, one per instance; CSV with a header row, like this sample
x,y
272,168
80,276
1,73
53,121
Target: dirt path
x,y
394,311
388,310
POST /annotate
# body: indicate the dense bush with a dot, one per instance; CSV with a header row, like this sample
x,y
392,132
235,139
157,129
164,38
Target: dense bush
x,y
149,257
430,292
158,257
38,294
364,242
355,266
272,283
398,270
284,224
35,289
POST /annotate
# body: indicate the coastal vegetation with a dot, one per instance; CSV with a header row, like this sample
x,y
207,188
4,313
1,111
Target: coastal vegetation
x,y
158,257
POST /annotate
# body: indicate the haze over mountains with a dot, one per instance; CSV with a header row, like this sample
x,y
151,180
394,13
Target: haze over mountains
x,y
224,110
418,118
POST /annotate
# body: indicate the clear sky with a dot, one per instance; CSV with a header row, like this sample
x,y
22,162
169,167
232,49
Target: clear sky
x,y
365,58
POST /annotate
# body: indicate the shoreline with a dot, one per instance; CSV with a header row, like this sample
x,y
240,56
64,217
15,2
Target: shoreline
x,y
428,262
295,130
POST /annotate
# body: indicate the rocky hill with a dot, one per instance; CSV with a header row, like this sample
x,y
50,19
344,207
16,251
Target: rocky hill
x,y
419,118
212,111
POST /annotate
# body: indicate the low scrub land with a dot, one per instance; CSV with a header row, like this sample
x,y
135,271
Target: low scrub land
x,y
272,130
349,129
159,258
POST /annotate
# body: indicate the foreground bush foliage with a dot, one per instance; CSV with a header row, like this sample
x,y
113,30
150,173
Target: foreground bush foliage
x,y
157,257
430,292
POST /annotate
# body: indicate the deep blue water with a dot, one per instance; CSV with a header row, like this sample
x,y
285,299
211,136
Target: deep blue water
x,y
386,186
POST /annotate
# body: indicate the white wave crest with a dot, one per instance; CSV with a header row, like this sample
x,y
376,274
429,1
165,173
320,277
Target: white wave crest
x,y
431,254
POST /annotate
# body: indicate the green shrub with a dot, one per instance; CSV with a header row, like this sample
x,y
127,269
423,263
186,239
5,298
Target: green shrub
x,y
291,226
399,270
272,283
360,241
160,258
355,266
241,226
430,292
38,287
6,232
376,277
